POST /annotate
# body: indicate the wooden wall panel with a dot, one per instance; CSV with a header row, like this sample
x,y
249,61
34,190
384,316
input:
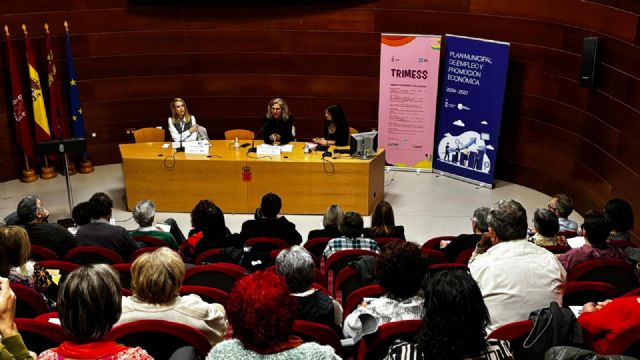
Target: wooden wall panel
x,y
229,58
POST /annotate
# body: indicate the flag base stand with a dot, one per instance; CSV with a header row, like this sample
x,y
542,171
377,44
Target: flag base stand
x,y
86,167
48,173
28,176
71,168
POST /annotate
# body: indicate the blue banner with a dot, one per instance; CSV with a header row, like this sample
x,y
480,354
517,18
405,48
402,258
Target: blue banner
x,y
471,99
77,119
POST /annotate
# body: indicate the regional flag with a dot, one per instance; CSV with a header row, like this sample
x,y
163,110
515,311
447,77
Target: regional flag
x,y
59,126
23,128
39,110
77,120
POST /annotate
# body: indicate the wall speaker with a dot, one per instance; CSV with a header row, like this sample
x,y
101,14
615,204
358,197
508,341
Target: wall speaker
x,y
589,58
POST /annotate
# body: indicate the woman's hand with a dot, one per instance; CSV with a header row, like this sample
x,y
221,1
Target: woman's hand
x,y
193,129
7,309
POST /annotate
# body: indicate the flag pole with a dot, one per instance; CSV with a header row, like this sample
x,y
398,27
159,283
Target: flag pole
x,y
28,175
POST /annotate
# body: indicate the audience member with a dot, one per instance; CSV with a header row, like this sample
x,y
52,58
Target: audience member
x,y
546,225
595,229
261,313
14,244
54,237
89,303
269,223
80,214
400,269
330,222
102,231
351,228
298,269
604,320
463,242
156,278
277,123
335,130
455,319
620,215
12,346
562,206
514,275
383,223
144,215
209,231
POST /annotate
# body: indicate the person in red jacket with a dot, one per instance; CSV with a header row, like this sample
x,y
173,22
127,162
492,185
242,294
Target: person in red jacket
x,y
604,320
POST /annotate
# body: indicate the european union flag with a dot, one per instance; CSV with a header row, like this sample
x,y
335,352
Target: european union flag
x,y
77,121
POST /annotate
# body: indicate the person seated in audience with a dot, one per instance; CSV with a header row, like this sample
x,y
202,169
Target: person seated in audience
x,y
595,229
298,269
463,242
400,269
562,206
14,243
12,346
80,214
102,231
156,278
89,303
277,123
545,223
620,215
455,319
261,312
209,231
144,215
351,228
601,322
269,222
335,130
54,237
383,223
514,275
182,125
330,221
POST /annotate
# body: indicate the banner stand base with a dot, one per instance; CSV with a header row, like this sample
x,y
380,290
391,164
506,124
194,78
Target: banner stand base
x,y
408,169
461,178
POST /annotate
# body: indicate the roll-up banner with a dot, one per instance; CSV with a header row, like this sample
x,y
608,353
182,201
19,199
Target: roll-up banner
x,y
471,100
408,97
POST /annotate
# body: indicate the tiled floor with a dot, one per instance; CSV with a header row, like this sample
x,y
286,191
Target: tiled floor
x,y
426,204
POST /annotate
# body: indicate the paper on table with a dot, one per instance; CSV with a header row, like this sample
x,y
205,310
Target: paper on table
x,y
286,148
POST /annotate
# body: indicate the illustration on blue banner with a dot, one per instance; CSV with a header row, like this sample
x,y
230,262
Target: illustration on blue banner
x,y
471,100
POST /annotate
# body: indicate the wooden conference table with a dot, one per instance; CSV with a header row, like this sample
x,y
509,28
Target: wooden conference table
x,y
306,183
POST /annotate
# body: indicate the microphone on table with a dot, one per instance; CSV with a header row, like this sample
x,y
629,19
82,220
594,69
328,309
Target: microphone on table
x,y
253,148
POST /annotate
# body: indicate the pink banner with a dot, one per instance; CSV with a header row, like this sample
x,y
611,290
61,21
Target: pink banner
x,y
407,104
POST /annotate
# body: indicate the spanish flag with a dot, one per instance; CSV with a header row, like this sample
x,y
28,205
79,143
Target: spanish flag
x,y
42,131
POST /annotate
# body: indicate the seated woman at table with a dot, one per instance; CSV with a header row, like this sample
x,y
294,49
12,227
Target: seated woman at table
x,y
278,123
182,125
335,130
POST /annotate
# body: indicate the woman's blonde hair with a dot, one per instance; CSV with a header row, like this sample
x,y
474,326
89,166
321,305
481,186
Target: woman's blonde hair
x,y
283,106
14,243
156,277
174,117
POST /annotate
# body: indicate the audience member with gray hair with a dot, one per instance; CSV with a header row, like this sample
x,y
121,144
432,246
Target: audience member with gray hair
x,y
33,216
144,215
296,265
562,206
463,242
514,275
545,223
330,222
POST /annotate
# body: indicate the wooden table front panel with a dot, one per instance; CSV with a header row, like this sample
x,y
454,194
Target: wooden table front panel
x,y
300,179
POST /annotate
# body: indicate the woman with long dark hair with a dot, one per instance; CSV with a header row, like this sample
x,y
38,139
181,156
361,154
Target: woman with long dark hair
x,y
383,223
335,130
454,322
